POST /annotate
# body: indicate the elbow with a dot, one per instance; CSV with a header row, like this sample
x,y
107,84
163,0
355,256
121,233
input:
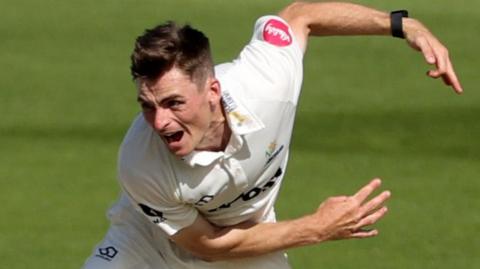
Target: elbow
x,y
293,11
206,253
211,243
296,16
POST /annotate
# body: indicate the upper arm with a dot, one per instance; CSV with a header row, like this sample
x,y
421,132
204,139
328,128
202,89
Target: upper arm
x,y
273,62
195,238
292,14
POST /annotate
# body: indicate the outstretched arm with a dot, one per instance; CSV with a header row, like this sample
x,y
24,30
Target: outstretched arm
x,y
334,18
340,217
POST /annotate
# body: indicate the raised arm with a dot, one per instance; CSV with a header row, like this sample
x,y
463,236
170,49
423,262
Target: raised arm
x,y
334,18
340,217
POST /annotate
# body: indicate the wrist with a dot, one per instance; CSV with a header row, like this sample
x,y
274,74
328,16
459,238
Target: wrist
x,y
396,23
311,231
412,26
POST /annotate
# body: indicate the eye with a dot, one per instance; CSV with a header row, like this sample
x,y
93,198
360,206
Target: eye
x,y
146,106
174,103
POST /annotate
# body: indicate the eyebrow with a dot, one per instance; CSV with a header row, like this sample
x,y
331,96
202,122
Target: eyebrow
x,y
170,97
141,100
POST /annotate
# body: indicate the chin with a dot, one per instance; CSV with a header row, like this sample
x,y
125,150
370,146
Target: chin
x,y
182,152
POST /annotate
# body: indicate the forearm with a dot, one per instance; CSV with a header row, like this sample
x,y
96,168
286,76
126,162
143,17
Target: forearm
x,y
336,18
251,239
264,238
339,217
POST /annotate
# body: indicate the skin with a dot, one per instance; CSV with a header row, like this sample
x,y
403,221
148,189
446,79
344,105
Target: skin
x,y
198,114
340,217
328,19
174,103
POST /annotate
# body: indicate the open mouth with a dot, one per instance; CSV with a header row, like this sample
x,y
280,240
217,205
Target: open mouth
x,y
173,137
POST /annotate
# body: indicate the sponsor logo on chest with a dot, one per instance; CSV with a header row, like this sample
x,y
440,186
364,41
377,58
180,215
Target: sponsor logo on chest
x,y
243,197
154,215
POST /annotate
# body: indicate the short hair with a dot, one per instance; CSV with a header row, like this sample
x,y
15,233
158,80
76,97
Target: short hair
x,y
168,45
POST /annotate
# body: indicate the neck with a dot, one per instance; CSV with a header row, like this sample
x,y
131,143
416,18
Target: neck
x,y
218,134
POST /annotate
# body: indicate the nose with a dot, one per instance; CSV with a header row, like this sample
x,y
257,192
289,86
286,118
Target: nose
x,y
162,119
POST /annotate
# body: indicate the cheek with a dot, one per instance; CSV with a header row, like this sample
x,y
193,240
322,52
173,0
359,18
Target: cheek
x,y
194,118
199,114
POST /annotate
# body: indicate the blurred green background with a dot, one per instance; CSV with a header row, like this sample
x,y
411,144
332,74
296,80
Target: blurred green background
x,y
367,109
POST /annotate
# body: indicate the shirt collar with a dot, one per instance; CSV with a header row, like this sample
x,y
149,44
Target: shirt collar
x,y
241,122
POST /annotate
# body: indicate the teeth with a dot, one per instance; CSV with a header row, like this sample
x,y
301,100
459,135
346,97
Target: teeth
x,y
170,135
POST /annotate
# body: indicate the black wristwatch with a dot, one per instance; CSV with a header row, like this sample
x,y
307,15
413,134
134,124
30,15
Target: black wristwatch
x,y
396,22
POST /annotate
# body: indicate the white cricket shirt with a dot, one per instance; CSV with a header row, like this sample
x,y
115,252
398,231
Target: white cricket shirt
x,y
260,90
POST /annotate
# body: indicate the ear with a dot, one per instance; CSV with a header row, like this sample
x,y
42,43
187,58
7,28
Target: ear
x,y
214,92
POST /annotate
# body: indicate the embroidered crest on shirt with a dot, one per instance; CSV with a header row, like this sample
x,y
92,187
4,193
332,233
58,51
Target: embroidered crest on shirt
x,y
276,33
271,148
272,152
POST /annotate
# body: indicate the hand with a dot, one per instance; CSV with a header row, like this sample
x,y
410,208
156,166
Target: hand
x,y
344,217
435,53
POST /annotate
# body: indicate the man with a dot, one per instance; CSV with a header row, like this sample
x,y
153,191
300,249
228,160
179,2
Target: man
x,y
202,166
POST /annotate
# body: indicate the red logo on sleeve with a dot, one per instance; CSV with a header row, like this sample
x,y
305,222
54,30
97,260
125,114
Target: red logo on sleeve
x,y
276,33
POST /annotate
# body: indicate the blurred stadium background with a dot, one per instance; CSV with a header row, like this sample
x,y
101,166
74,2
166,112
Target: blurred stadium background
x,y
367,109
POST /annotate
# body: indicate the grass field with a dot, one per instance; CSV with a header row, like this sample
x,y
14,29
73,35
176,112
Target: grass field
x,y
367,110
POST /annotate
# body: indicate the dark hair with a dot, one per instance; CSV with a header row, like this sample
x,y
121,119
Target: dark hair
x,y
168,45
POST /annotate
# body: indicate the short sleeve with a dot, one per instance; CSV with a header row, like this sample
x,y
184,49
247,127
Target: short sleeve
x,y
147,179
271,64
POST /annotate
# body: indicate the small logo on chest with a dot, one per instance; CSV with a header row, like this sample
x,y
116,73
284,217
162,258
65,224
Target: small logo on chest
x,y
272,152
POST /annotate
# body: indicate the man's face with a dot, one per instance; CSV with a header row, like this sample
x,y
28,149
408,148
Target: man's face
x,y
178,109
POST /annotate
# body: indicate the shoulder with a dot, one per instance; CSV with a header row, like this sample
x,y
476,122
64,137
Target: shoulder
x,y
274,30
272,42
269,67
136,142
274,34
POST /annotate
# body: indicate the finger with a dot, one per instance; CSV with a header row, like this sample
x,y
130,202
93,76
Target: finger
x,y
375,203
337,199
446,80
456,85
366,190
442,56
449,78
453,79
364,234
372,218
441,62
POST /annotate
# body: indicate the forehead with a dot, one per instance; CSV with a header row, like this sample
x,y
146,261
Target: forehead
x,y
173,81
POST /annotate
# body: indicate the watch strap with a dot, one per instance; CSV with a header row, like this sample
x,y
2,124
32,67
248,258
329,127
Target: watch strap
x,y
396,22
